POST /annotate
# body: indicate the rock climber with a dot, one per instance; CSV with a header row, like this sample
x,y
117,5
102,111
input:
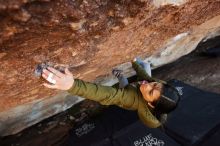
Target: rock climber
x,y
148,96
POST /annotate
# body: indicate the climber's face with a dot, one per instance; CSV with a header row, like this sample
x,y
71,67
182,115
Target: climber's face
x,y
151,91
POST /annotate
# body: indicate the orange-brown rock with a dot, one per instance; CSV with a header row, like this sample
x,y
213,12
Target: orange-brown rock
x,y
91,35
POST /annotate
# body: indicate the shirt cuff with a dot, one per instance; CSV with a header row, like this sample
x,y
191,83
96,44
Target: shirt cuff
x,y
75,87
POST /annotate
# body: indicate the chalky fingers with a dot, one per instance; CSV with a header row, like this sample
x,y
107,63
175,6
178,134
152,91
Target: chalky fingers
x,y
56,72
50,77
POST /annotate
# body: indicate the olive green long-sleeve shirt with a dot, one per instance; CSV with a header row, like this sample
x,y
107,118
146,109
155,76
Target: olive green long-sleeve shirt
x,y
128,98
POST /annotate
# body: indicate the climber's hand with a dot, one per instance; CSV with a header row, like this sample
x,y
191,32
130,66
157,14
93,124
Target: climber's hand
x,y
58,80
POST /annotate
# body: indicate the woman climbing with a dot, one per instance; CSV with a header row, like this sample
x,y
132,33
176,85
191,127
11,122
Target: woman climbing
x,y
148,97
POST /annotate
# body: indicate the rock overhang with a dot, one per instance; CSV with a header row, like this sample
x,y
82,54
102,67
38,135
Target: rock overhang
x,y
94,40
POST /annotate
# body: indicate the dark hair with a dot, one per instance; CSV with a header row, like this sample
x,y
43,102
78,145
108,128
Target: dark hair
x,y
167,102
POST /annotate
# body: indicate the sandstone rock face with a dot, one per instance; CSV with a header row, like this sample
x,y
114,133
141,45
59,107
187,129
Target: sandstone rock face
x,y
92,36
159,3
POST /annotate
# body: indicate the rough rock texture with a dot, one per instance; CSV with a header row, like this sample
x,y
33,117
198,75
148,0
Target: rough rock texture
x,y
92,36
159,3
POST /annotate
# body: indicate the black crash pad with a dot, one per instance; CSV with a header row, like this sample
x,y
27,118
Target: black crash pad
x,y
98,131
213,139
196,116
137,134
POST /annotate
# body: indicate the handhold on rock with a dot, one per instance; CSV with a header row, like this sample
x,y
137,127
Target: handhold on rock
x,y
39,69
